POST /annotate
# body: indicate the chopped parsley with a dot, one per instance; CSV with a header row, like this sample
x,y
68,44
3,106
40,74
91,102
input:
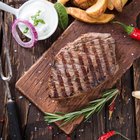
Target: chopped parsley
x,y
36,21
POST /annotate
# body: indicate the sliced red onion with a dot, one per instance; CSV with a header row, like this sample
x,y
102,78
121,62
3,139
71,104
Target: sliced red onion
x,y
34,35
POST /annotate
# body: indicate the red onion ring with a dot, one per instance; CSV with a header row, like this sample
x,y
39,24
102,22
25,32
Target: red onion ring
x,y
34,35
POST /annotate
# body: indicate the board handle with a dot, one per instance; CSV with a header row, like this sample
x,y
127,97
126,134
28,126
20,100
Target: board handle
x,y
14,129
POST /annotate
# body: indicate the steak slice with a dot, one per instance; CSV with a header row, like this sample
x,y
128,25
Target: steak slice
x,y
82,65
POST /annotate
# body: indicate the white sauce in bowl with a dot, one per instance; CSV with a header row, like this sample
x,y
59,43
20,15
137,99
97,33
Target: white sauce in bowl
x,y
47,13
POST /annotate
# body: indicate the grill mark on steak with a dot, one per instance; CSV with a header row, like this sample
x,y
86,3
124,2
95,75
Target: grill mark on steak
x,y
108,55
71,72
105,57
111,60
94,60
101,58
112,47
98,61
91,67
60,80
76,73
82,65
86,66
84,70
78,66
54,90
68,75
62,69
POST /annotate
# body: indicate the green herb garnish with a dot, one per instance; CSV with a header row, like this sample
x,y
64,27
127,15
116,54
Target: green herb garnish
x,y
93,107
26,30
36,15
62,15
36,21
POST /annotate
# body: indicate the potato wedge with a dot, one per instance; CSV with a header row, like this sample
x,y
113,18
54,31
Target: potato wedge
x,y
81,15
84,4
97,9
63,1
110,6
124,2
117,4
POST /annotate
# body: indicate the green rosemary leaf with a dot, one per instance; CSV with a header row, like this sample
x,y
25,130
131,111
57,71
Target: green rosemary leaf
x,y
100,108
55,120
51,114
93,107
51,117
73,113
107,94
69,120
87,109
59,113
90,113
96,101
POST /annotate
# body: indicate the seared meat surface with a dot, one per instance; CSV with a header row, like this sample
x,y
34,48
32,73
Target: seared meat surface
x,y
82,65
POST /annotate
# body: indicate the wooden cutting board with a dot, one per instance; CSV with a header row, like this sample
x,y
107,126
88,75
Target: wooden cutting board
x,y
33,84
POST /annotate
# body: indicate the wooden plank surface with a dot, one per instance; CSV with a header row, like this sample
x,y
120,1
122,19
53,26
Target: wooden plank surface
x,y
33,126
3,115
137,101
34,83
21,60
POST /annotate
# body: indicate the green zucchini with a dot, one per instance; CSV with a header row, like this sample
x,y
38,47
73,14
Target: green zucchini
x,y
62,15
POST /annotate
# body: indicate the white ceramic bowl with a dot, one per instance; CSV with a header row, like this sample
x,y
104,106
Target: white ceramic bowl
x,y
51,16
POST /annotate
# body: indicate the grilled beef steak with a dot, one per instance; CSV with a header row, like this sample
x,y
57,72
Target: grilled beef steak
x,y
82,65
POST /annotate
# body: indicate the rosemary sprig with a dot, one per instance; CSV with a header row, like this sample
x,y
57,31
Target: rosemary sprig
x,y
93,107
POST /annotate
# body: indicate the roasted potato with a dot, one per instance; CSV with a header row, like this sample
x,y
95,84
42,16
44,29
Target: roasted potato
x,y
63,1
97,9
110,6
124,2
84,4
83,16
117,4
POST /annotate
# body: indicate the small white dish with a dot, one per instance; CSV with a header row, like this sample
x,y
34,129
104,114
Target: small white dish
x,y
32,6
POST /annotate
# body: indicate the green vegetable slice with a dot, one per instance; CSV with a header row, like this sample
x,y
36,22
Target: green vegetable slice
x,y
62,15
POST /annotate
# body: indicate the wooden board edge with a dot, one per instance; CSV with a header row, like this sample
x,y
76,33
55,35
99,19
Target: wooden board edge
x,y
43,55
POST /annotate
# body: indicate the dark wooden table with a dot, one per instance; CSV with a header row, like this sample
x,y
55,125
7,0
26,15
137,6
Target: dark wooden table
x,y
125,118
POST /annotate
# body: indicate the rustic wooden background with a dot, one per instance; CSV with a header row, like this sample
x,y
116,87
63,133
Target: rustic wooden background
x,y
125,118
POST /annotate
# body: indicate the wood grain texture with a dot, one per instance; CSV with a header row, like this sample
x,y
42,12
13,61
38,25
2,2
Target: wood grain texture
x,y
124,116
21,60
34,82
137,101
32,120
3,118
17,55
1,85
